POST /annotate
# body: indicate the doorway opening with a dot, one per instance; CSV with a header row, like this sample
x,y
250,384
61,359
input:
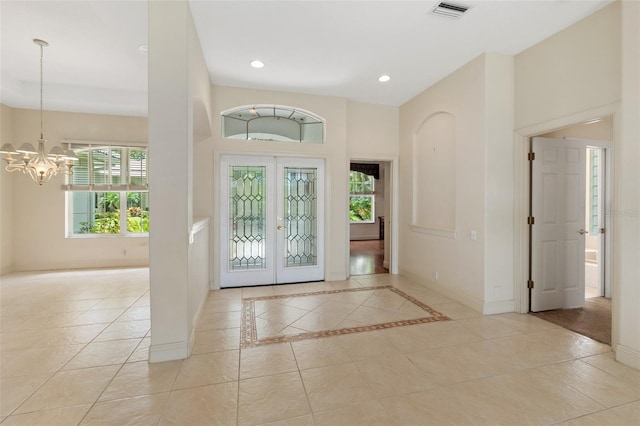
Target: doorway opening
x,y
272,220
569,230
370,201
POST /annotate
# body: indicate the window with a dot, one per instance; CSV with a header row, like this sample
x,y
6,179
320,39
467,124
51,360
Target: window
x,y
107,192
96,212
362,199
272,123
593,171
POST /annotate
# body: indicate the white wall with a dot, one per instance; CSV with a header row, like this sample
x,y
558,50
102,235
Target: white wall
x,y
478,96
626,247
178,115
199,270
574,70
6,195
499,185
372,131
599,131
594,66
39,211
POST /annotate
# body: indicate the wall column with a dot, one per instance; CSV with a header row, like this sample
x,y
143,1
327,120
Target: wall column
x,y
170,178
626,212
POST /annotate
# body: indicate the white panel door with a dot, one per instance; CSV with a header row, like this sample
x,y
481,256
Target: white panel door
x,y
558,239
272,220
246,213
300,220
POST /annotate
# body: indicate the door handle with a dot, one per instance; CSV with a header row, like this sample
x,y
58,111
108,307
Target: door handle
x,y
582,231
280,227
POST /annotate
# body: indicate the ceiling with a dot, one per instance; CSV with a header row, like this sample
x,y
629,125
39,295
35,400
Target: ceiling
x,y
331,48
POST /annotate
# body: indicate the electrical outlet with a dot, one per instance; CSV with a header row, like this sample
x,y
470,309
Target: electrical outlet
x,y
124,253
435,275
474,235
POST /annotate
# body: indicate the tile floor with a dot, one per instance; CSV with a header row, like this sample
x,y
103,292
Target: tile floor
x,y
74,347
311,315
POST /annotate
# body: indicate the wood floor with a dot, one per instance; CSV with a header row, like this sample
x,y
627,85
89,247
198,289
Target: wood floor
x,y
367,257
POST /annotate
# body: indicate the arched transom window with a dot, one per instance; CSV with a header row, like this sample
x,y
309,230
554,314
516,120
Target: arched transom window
x,y
272,123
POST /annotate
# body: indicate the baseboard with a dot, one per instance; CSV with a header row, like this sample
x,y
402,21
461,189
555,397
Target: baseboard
x,y
628,356
469,301
195,319
499,307
168,351
385,264
335,277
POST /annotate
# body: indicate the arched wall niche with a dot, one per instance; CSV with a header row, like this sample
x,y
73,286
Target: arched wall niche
x,y
434,175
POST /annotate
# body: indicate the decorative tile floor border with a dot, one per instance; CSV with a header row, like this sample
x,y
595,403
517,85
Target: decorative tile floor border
x,y
249,334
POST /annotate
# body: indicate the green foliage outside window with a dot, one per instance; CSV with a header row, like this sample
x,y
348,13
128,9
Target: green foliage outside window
x,y
360,208
361,202
106,216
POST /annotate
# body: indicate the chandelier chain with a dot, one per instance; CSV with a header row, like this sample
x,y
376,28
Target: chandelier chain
x,y
41,89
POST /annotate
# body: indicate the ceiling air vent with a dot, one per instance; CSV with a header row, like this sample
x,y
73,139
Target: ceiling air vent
x,y
450,10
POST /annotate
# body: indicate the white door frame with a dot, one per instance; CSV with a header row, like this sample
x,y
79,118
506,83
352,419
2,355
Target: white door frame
x,y
521,201
276,270
393,221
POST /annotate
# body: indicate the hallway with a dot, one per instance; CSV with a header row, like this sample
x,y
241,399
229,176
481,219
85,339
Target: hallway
x,y
74,347
367,257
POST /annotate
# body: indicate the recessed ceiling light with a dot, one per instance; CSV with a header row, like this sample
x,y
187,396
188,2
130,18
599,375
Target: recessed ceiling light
x,y
144,49
257,64
384,78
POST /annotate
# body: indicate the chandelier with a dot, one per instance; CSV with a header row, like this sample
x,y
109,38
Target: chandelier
x,y
37,163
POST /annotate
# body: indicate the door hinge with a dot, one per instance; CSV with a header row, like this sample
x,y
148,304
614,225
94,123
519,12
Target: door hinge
x,y
531,220
529,284
602,230
531,156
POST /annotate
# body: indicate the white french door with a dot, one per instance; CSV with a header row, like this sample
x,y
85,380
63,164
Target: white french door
x,y
272,220
558,239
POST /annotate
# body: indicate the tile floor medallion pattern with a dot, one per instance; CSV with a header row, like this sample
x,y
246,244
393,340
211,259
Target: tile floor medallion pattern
x,y
74,347
293,317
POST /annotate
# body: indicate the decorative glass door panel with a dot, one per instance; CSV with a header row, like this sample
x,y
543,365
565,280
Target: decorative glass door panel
x,y
272,220
247,215
301,222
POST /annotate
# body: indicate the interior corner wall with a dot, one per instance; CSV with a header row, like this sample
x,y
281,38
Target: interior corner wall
x,y
499,185
40,211
200,239
200,90
6,196
457,260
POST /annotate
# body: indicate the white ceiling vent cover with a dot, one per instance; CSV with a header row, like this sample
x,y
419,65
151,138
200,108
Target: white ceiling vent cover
x,y
450,10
